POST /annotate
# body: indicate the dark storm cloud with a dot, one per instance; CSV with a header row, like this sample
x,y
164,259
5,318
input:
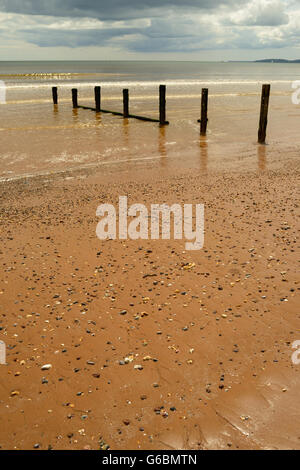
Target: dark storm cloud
x,y
108,9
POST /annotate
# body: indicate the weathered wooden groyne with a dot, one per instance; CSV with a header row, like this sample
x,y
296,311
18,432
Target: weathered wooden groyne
x,y
263,119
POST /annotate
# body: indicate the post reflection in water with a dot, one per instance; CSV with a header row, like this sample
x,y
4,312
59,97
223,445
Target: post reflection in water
x,y
75,115
262,157
98,118
203,153
55,110
162,144
126,132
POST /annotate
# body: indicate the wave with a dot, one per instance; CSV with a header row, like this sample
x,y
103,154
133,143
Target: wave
x,y
145,84
38,75
64,126
53,74
170,96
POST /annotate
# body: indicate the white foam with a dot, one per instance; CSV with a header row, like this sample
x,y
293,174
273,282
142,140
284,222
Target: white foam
x,y
144,84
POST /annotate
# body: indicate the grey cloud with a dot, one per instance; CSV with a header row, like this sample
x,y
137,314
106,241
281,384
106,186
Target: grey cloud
x,y
182,36
109,9
272,18
73,39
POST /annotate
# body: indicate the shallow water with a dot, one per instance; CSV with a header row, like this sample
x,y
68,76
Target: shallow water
x,y
37,137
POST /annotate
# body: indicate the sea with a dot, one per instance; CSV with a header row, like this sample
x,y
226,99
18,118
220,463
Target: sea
x,y
37,137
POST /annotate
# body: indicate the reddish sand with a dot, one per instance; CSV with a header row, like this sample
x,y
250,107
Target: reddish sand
x,y
212,330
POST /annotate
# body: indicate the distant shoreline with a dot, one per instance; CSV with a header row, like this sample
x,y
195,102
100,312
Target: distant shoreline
x,y
270,61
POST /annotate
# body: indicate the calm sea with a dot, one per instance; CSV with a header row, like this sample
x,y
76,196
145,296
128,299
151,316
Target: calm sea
x,y
82,138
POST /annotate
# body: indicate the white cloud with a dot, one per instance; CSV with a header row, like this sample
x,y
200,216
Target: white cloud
x,y
261,13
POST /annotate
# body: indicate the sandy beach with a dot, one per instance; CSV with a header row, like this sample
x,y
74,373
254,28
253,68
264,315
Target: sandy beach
x,y
151,346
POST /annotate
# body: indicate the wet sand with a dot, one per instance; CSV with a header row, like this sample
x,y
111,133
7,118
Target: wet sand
x,y
210,330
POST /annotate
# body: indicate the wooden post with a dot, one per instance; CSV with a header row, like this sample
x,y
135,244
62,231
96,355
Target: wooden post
x,y
75,97
204,105
263,122
54,94
162,105
98,98
125,103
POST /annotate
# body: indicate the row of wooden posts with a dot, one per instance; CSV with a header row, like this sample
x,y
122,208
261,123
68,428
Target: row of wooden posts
x,y
263,121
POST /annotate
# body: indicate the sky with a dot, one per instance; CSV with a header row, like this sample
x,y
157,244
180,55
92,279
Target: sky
x,y
149,29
